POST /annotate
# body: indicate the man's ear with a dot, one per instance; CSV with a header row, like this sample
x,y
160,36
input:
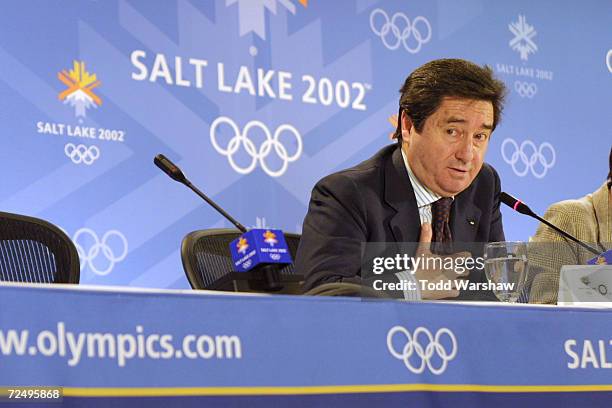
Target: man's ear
x,y
407,127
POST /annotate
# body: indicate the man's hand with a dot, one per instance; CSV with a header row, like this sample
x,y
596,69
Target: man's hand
x,y
432,270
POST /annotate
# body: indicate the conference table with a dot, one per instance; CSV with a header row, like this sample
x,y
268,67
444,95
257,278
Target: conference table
x,y
109,346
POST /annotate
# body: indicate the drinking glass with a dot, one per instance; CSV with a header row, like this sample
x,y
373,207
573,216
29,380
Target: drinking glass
x,y
506,267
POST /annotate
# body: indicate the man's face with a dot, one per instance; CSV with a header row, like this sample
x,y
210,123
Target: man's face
x,y
448,154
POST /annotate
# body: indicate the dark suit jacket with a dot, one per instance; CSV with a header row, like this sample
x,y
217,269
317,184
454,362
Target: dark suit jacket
x,y
374,202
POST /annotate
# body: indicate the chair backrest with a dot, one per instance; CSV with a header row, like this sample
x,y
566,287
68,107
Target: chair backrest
x,y
206,257
34,250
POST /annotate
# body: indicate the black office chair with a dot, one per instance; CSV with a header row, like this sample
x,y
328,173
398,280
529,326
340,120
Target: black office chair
x,y
34,250
208,263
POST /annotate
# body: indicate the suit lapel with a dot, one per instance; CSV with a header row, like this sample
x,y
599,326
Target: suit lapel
x,y
465,217
404,224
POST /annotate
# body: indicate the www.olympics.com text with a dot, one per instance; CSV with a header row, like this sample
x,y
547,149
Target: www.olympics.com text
x,y
121,347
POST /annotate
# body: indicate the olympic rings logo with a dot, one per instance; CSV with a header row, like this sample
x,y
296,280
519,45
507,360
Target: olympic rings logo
x,y
525,89
527,156
424,353
398,30
609,60
257,154
81,153
100,247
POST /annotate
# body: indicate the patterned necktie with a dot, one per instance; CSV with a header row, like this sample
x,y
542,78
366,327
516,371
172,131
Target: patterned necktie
x,y
442,240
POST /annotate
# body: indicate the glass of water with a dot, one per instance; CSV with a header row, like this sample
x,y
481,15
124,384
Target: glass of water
x,y
506,269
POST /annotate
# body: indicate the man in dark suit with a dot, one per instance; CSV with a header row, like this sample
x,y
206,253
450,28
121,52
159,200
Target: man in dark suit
x,y
432,186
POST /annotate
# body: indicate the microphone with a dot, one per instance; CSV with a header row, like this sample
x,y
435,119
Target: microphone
x,y
170,169
521,207
176,174
258,254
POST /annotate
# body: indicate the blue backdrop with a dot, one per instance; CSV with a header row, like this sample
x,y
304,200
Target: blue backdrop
x,y
258,99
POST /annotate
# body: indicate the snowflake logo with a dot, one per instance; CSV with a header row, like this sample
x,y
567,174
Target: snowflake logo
x,y
270,238
79,93
252,13
393,120
242,245
523,37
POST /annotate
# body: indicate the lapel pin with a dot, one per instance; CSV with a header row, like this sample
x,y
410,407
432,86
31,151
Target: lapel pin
x,y
471,222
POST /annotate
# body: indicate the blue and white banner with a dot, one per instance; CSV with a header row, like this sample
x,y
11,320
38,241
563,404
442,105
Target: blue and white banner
x,y
102,343
258,99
